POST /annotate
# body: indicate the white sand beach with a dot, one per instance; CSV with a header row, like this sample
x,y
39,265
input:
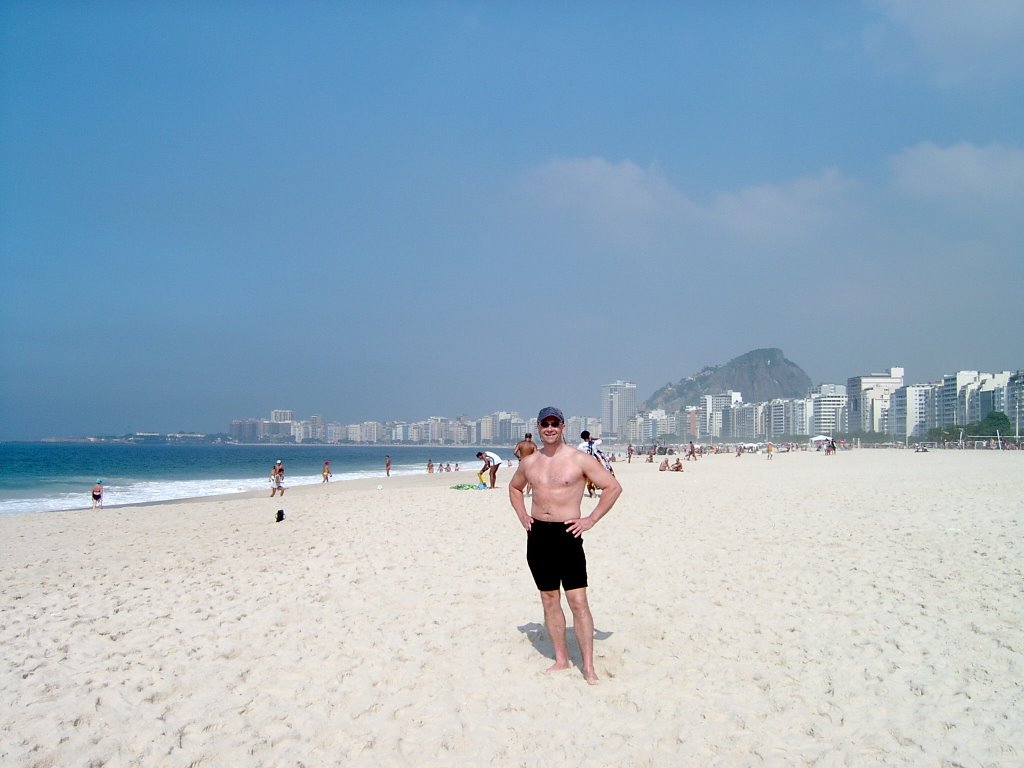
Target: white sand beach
x,y
865,609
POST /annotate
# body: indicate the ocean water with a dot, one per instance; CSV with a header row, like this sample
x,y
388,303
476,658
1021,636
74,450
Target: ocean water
x,y
41,477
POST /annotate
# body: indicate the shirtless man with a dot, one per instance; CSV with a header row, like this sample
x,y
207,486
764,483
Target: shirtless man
x,y
554,532
524,448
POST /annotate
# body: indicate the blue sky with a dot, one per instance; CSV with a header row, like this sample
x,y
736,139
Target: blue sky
x,y
397,210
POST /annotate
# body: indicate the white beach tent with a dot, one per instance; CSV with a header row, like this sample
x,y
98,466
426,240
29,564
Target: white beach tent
x,y
820,439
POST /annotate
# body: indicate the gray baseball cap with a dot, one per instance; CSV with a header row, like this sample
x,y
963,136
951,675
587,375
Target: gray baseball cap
x,y
548,412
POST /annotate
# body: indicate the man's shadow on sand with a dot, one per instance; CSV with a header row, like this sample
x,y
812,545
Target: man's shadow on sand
x,y
541,640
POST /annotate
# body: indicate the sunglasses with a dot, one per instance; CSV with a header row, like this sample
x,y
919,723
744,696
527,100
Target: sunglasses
x,y
550,423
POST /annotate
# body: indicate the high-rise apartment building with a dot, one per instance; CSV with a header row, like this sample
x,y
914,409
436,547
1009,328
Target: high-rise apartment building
x,y
950,413
741,421
691,423
318,426
486,428
986,395
618,406
828,409
868,399
245,430
711,407
799,417
1015,401
911,410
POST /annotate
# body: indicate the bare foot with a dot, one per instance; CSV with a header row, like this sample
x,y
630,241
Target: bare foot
x,y
557,666
591,678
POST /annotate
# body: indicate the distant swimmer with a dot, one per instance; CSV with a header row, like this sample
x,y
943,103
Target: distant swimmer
x,y
97,495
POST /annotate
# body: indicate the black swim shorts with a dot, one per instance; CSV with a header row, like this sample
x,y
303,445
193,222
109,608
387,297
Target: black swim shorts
x,y
555,557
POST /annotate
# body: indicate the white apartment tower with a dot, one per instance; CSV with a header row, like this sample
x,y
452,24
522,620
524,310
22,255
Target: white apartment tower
x,y
950,413
618,407
828,407
711,407
986,395
868,399
910,411
1015,401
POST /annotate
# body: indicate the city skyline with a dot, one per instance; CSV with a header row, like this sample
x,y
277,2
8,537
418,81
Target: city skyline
x,y
880,403
598,416
365,209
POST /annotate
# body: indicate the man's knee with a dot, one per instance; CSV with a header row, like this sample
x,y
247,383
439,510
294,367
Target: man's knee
x,y
577,599
551,599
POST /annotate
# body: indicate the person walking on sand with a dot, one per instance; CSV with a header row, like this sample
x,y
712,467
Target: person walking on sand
x,y
326,471
589,446
554,532
387,465
97,495
277,478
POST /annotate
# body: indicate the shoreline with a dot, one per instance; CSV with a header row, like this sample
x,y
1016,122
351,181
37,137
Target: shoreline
x,y
45,478
356,482
465,472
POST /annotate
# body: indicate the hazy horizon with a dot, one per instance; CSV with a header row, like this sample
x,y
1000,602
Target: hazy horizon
x,y
371,211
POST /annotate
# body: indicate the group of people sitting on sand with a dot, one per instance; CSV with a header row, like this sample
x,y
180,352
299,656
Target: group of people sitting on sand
x,y
677,466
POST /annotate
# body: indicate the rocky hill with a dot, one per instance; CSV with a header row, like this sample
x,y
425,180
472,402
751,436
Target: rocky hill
x,y
760,375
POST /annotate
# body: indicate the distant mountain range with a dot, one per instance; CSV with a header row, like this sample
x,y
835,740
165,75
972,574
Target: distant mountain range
x,y
760,375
